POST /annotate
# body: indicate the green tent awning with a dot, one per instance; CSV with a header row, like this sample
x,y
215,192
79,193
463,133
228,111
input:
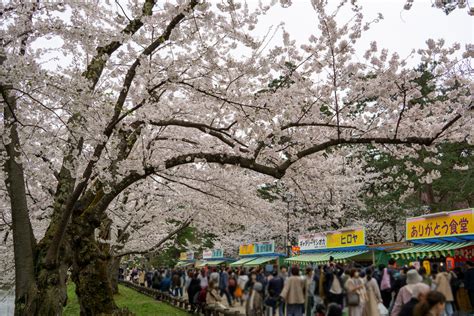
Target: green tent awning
x,y
181,264
432,250
241,262
343,256
258,261
324,257
210,263
213,263
310,258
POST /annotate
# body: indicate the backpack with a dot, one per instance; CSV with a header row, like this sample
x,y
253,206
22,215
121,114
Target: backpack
x,y
385,283
232,282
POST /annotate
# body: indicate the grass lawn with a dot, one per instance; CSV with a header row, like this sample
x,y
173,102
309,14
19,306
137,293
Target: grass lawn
x,y
134,301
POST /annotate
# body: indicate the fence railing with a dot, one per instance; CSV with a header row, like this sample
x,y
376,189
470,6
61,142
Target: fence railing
x,y
179,302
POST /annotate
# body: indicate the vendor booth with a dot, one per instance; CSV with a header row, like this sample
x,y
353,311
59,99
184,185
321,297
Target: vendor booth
x,y
341,246
258,254
213,258
186,259
445,238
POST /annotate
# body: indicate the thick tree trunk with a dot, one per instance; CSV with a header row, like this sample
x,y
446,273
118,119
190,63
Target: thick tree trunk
x,y
114,266
90,271
23,239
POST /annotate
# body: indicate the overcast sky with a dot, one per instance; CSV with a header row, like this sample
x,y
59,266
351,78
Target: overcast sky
x,y
400,30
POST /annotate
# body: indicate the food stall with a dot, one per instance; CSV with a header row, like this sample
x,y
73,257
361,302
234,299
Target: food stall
x,y
444,238
258,254
213,258
342,246
186,260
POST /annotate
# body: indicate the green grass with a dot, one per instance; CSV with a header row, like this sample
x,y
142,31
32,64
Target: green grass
x,y
134,301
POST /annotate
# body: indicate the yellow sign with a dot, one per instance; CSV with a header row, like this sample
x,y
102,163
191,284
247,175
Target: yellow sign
x,y
346,238
246,249
443,224
183,256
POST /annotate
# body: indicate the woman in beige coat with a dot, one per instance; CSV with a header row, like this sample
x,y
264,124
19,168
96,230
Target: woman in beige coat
x,y
443,285
373,295
355,285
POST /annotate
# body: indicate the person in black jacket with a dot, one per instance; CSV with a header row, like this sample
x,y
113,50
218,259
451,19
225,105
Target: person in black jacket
x,y
469,281
193,290
275,286
333,285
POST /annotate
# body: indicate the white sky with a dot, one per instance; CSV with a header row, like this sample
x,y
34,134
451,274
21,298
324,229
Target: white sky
x,y
400,30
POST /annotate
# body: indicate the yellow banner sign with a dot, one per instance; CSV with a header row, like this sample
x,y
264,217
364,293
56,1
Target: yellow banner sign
x,y
443,224
346,238
246,249
183,256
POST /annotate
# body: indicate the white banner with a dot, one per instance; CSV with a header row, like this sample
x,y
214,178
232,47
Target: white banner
x,y
312,241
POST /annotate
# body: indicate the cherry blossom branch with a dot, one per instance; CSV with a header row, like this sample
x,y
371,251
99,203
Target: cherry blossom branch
x,y
170,235
97,64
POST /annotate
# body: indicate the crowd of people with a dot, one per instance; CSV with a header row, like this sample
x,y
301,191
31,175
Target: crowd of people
x,y
321,291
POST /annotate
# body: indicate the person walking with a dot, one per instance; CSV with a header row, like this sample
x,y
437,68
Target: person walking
x,y
175,283
212,297
373,295
443,285
333,285
255,301
356,294
193,290
141,278
386,284
214,276
405,294
204,282
242,280
294,293
469,281
309,284
433,305
273,303
224,286
419,294
155,280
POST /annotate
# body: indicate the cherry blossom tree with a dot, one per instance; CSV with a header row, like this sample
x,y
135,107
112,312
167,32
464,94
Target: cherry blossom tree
x,y
139,90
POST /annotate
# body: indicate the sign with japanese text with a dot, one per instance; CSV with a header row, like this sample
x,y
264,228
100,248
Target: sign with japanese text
x,y
212,254
464,254
346,238
455,223
185,256
312,242
257,248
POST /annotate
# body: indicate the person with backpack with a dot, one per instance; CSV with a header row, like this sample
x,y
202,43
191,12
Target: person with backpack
x,y
273,302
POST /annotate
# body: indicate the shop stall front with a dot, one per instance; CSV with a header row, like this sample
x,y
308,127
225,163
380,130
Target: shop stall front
x,y
186,260
445,238
258,254
342,246
213,258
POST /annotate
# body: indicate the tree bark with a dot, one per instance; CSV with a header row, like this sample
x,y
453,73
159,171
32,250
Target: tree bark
x,y
24,243
90,268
